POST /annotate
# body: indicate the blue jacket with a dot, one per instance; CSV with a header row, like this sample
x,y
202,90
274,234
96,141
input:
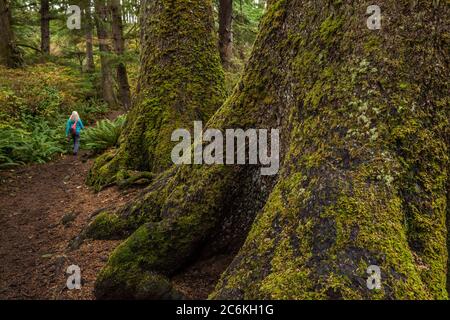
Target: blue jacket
x,y
70,123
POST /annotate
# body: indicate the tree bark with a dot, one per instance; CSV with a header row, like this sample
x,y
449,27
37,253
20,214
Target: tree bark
x,y
45,26
9,54
364,123
225,32
90,65
119,49
101,23
181,80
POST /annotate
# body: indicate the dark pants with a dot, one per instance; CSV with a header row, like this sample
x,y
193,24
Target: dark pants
x,y
76,143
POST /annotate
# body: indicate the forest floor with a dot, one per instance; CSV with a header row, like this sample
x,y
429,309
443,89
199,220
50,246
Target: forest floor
x,y
42,208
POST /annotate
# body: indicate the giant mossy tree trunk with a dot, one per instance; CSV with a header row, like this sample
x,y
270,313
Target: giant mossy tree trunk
x,y
181,80
364,119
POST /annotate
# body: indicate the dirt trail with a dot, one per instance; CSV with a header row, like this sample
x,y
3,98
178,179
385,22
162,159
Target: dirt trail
x,y
35,202
42,208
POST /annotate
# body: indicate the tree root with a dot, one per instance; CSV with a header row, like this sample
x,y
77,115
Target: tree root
x,y
139,178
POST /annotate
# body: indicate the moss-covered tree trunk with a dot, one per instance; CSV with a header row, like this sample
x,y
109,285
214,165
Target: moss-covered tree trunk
x,y
181,80
9,54
364,121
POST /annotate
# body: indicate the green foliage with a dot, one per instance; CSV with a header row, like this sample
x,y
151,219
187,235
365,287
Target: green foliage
x,y
104,135
35,104
247,15
91,110
47,91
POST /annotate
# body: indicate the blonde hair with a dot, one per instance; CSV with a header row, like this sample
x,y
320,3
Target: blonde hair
x,y
74,116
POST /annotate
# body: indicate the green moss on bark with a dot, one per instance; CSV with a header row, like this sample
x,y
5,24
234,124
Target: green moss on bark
x,y
364,127
181,81
165,245
120,223
360,184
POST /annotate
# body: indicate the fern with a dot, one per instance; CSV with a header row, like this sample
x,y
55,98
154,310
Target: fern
x,y
38,144
104,135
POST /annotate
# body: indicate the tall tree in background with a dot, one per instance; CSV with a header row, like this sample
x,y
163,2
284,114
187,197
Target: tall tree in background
x,y
101,22
364,123
119,49
181,80
9,54
90,66
225,31
45,26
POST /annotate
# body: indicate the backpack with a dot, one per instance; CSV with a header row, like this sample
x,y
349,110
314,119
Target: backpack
x,y
73,128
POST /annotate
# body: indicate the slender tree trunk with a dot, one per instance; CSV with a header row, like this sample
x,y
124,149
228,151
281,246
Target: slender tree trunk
x,y
90,66
364,125
225,32
9,54
177,85
101,22
119,49
45,26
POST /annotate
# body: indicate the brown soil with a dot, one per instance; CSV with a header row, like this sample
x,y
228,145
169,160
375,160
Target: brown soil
x,y
199,279
34,236
36,203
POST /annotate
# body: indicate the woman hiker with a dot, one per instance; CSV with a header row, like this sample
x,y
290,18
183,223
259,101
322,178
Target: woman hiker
x,y
73,127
